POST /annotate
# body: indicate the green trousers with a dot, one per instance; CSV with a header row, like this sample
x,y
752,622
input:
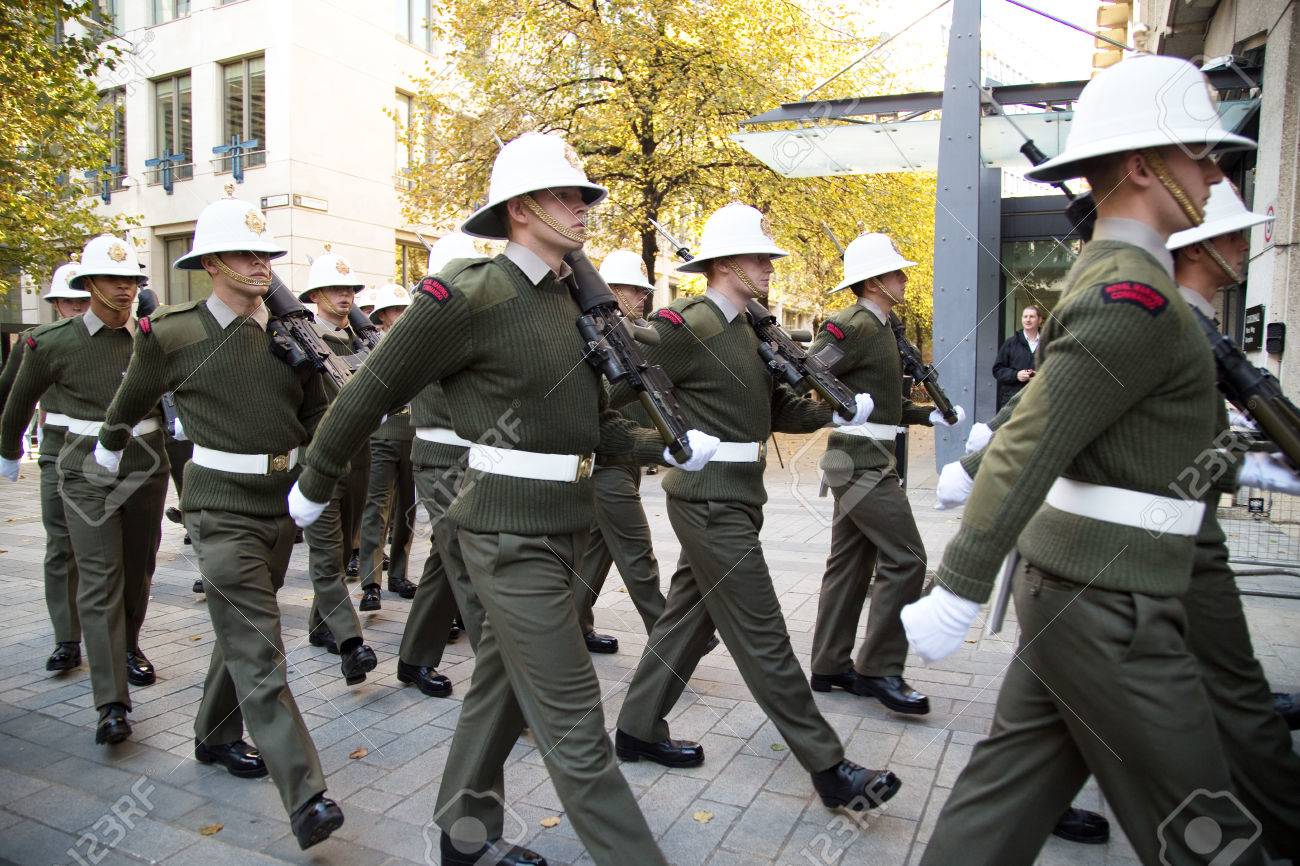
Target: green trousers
x,y
1102,683
722,581
873,531
1265,769
243,560
532,664
354,502
179,452
444,587
620,534
390,505
115,530
326,558
60,564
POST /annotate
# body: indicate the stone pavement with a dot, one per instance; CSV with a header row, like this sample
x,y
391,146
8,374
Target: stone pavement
x,y
65,800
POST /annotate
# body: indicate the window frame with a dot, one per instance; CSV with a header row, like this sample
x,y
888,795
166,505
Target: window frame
x,y
157,9
255,158
185,170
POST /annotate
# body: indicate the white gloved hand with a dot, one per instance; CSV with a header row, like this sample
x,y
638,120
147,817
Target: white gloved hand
x,y
1241,420
703,447
303,511
9,468
1269,472
178,430
954,486
937,420
865,406
937,624
110,460
979,437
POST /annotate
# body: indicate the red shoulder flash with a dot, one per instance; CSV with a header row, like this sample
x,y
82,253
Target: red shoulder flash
x,y
670,316
834,330
146,327
432,287
1137,294
31,342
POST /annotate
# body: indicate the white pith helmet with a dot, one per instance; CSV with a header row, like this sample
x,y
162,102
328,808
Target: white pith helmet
x,y
733,230
625,268
1144,101
870,255
448,248
364,298
1225,213
530,163
107,256
229,225
330,269
61,285
388,296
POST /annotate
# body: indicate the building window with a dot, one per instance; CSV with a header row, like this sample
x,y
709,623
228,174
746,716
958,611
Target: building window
x,y
243,109
175,126
117,134
108,14
169,10
413,18
410,263
183,285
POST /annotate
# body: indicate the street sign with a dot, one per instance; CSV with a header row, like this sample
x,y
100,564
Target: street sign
x,y
1253,336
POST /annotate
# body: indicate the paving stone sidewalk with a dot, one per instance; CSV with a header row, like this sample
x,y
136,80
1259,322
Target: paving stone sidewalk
x,y
65,800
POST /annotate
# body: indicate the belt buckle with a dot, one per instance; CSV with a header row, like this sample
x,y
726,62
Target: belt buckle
x,y
762,450
585,464
280,462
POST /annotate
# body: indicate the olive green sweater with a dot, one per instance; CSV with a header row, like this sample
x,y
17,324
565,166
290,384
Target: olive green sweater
x,y
510,360
232,394
1124,396
725,390
84,371
52,435
870,365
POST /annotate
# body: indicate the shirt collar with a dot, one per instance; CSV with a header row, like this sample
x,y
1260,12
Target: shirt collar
x,y
532,265
874,310
1137,233
728,309
1197,302
221,311
93,323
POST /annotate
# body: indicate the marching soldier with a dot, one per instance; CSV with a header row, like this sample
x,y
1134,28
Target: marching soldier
x,y
114,517
620,533
333,622
499,334
390,499
710,351
208,353
1122,404
873,528
60,564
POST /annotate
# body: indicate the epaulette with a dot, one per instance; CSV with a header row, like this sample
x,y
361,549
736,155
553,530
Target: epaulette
x,y
172,330
695,313
477,280
845,321
32,336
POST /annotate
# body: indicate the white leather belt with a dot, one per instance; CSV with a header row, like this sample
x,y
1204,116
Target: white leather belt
x,y
1156,514
872,431
77,427
57,419
245,464
441,435
739,452
530,464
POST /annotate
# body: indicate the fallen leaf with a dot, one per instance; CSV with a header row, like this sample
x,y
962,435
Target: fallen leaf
x,y
550,821
703,816
358,753
196,637
778,747
210,829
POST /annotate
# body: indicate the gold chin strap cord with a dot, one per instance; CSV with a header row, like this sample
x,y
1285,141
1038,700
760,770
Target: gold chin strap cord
x,y
238,278
577,236
742,276
880,287
635,308
1219,260
327,306
103,298
1191,210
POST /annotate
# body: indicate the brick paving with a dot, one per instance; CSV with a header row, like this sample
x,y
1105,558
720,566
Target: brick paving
x,y
65,800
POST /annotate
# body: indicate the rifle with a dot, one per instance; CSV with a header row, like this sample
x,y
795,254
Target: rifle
x,y
921,372
145,305
611,348
367,332
294,339
786,360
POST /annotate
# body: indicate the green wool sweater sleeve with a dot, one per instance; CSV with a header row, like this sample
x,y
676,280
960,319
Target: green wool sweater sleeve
x,y
915,414
315,400
141,389
33,379
675,354
794,414
1106,361
436,330
622,437
10,371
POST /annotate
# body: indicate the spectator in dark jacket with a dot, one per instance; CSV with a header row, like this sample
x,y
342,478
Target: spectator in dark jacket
x,y
1014,366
